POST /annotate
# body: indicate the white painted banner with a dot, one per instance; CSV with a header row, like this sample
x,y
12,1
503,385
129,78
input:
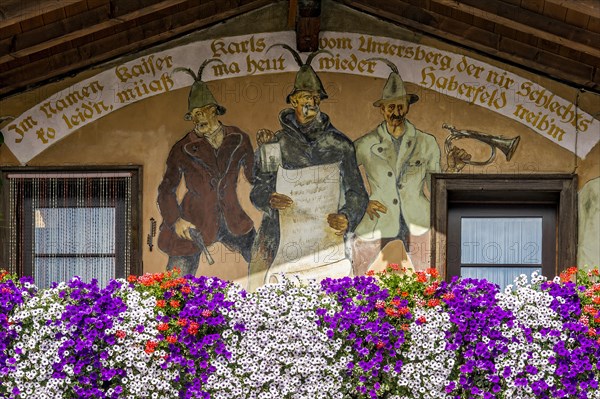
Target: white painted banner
x,y
455,75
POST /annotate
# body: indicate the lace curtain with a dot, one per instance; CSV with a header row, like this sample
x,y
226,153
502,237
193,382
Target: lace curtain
x,y
70,224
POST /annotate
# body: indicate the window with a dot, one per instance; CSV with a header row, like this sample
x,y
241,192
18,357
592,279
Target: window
x,y
67,223
500,226
499,242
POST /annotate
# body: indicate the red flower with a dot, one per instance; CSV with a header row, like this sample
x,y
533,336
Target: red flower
x,y
391,312
370,273
193,328
171,339
404,311
430,290
120,334
394,266
432,303
432,271
174,303
380,304
162,327
182,322
150,346
590,309
380,344
422,320
421,277
206,313
161,303
448,296
186,289
592,332
146,280
131,278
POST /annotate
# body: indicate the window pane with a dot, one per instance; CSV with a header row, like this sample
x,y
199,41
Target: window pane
x,y
74,230
501,241
49,270
502,276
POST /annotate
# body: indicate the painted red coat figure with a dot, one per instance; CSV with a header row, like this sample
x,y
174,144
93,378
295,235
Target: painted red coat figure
x,y
211,201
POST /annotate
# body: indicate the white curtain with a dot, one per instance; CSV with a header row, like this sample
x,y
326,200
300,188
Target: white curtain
x,y
515,243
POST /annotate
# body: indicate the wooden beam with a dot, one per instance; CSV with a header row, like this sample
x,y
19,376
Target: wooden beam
x,y
30,10
292,13
9,85
587,7
436,21
308,25
526,21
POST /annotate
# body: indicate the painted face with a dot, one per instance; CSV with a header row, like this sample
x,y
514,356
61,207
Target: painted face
x,y
205,119
395,112
306,104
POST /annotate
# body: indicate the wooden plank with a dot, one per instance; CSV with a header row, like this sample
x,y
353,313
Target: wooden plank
x,y
588,7
7,31
520,60
61,28
40,8
89,31
567,225
536,6
577,19
555,11
439,212
530,22
292,11
19,79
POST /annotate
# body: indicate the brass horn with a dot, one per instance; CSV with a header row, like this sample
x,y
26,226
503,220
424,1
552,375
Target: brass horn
x,y
506,145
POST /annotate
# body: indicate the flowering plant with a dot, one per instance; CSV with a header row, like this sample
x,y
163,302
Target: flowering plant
x,y
420,288
577,354
590,299
364,322
190,315
388,335
476,336
77,340
427,363
13,292
277,348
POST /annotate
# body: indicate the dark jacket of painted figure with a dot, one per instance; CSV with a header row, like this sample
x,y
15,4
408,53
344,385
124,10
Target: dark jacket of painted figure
x,y
211,181
316,143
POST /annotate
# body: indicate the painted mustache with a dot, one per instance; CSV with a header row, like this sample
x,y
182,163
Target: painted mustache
x,y
306,108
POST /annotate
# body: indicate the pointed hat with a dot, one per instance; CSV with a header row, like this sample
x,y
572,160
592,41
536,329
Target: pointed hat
x,y
394,87
306,78
200,95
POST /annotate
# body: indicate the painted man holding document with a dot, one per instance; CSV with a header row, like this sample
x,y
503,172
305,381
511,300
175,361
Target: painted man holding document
x,y
307,138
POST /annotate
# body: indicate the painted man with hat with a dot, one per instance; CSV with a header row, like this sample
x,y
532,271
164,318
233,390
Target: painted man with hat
x,y
306,138
398,159
209,158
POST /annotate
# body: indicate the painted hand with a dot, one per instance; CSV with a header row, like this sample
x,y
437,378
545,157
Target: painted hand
x,y
339,222
182,228
374,207
457,159
264,136
280,201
